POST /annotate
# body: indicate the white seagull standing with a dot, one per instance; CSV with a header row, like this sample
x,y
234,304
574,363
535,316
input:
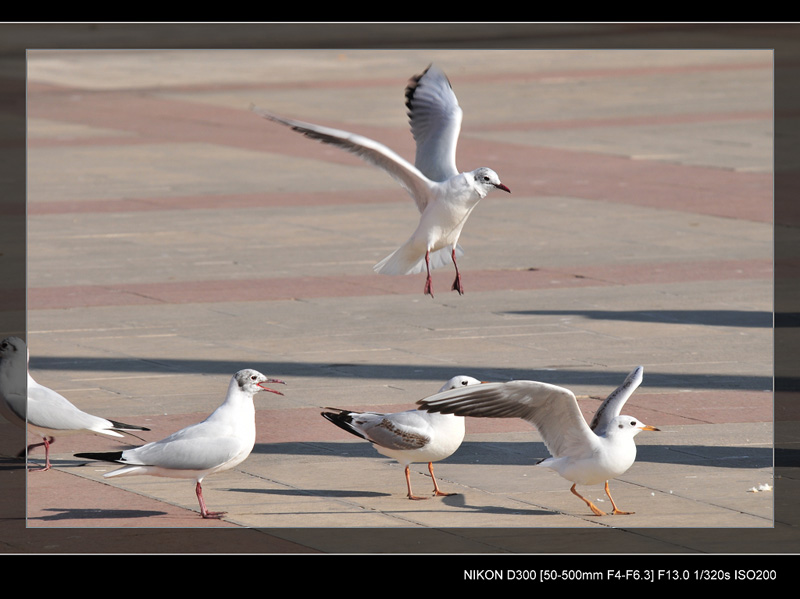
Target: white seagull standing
x,y
220,442
47,412
410,436
444,196
584,454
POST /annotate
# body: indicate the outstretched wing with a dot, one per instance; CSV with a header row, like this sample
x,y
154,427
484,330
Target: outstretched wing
x,y
551,409
435,118
612,406
373,152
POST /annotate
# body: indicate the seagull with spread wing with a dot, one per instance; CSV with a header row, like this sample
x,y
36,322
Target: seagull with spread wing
x,y
586,454
444,196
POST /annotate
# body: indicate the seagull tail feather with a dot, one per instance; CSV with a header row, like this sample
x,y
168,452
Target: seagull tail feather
x,y
406,260
343,419
107,456
121,426
126,429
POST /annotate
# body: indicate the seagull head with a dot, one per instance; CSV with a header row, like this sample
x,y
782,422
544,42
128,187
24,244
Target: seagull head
x,y
12,346
486,179
251,381
459,381
628,425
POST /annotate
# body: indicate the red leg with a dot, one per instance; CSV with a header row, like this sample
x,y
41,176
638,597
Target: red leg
x,y
436,490
408,482
428,281
47,442
203,510
457,283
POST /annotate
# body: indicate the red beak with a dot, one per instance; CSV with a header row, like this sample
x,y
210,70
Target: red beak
x,y
271,381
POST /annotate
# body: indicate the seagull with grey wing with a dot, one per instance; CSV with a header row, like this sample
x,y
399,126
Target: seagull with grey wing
x,y
409,436
43,411
220,442
444,196
586,454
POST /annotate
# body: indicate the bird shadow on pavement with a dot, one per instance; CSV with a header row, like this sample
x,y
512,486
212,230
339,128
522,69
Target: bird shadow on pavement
x,y
95,514
332,493
459,500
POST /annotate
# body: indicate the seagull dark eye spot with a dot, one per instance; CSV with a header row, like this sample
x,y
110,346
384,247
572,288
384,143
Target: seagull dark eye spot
x,y
464,383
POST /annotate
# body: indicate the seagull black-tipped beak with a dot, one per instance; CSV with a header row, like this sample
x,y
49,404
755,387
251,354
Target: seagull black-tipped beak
x,y
503,187
647,427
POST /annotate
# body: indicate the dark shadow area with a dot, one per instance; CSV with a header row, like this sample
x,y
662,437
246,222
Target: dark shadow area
x,y
787,319
96,514
460,501
787,458
12,463
716,318
436,374
787,384
513,453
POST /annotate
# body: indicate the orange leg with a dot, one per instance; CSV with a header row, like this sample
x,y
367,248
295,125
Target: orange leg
x,y
408,482
614,505
436,490
593,507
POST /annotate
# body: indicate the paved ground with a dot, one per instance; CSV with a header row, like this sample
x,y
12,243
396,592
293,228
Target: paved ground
x,y
174,238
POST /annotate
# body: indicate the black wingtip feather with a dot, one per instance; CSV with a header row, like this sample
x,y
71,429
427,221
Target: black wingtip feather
x,y
412,85
132,427
108,456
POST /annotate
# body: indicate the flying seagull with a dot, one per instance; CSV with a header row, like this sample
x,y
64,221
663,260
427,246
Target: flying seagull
x,y
444,196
